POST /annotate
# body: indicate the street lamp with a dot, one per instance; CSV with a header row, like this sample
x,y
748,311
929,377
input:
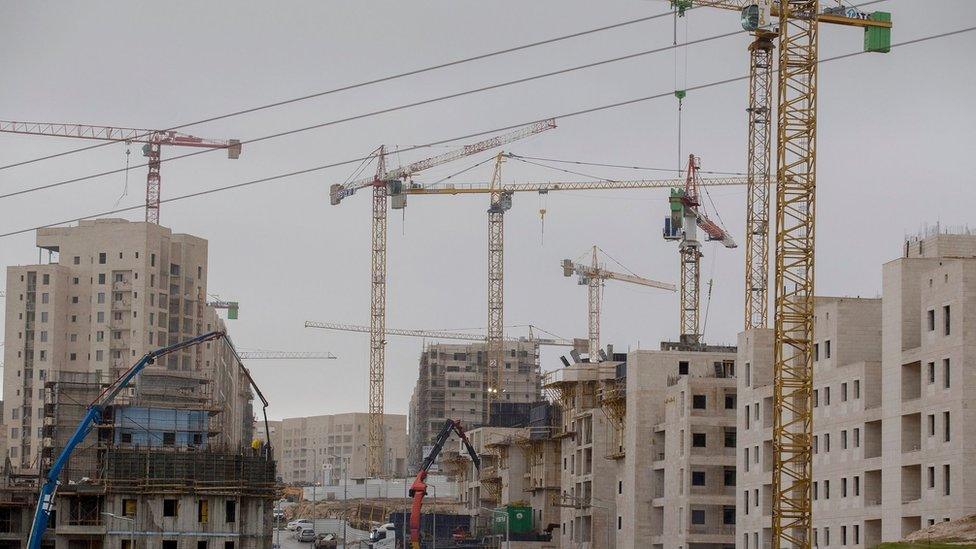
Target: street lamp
x,y
132,527
505,514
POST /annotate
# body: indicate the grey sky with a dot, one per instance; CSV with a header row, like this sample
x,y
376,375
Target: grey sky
x,y
894,133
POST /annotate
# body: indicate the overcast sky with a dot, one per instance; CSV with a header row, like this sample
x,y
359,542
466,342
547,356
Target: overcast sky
x,y
895,131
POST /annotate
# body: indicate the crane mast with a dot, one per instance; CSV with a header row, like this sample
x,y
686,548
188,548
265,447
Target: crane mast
x,y
152,149
757,193
500,203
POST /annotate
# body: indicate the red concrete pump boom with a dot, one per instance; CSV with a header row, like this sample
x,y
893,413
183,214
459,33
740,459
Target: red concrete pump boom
x,y
419,488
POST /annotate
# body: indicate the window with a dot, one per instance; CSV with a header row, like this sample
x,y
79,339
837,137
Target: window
x,y
730,437
843,487
683,368
816,444
698,516
843,392
169,438
930,319
730,403
857,389
228,545
45,298
816,398
748,375
931,476
931,425
170,544
44,316
729,476
746,459
946,374
46,279
947,434
857,486
857,534
128,507
815,494
826,439
202,544
73,356
698,478
827,536
826,485
728,515
100,316
843,439
77,260
748,416
816,352
931,372
698,402
101,278
101,297
169,507
827,351
843,535
946,317
745,496
947,478
698,439
101,258
857,437
74,299
620,486
203,510
826,396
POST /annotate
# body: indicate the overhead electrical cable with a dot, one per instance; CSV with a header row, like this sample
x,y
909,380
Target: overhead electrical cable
x,y
572,114
365,83
382,111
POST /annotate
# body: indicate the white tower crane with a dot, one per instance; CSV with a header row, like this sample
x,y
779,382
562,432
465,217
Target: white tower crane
x,y
593,276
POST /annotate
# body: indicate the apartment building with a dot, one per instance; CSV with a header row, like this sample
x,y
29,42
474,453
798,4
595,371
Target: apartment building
x,y
891,445
316,448
172,452
672,487
450,385
110,291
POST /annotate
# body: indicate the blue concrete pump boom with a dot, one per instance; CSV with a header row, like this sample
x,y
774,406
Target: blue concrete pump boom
x,y
94,414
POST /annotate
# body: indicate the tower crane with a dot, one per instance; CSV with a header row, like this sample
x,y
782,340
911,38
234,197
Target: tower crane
x,y
384,184
153,141
593,276
500,202
285,355
436,334
683,224
797,30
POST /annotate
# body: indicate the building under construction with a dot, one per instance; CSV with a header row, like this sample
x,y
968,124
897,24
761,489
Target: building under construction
x,y
451,385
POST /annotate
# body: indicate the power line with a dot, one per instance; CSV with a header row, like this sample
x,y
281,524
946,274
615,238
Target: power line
x,y
365,83
476,134
387,110
623,166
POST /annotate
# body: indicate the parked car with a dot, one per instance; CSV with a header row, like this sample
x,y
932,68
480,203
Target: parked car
x,y
306,534
299,524
326,541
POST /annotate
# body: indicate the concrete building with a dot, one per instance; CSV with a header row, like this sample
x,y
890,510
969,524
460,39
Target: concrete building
x,y
110,291
672,482
172,453
892,443
311,447
450,382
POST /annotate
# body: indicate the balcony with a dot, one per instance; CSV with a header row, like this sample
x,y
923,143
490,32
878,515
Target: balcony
x,y
122,286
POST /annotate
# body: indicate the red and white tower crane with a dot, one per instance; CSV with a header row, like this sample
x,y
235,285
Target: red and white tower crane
x,y
153,141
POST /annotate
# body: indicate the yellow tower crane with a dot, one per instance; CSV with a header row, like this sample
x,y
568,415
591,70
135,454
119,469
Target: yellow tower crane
x,y
386,183
797,29
501,201
593,276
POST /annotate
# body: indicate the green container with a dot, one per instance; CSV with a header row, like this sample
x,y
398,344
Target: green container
x,y
878,39
519,519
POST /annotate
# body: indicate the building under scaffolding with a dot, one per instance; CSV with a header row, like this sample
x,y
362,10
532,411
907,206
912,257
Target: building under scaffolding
x,y
153,476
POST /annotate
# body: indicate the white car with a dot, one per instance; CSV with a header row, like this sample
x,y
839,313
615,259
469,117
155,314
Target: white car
x,y
299,524
305,534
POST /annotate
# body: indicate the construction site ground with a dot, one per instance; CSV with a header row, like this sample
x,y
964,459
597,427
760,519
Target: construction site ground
x,y
942,535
